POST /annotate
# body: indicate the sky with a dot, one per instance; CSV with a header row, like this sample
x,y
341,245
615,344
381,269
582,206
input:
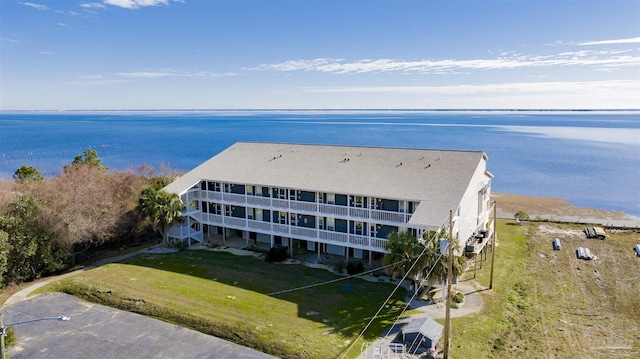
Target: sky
x,y
319,54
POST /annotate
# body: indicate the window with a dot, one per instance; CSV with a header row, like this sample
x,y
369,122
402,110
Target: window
x,y
213,186
358,228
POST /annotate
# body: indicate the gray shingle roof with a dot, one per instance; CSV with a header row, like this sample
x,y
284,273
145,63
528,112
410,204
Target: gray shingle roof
x,y
436,178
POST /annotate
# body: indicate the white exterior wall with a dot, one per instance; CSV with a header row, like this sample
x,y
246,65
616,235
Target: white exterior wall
x,y
470,221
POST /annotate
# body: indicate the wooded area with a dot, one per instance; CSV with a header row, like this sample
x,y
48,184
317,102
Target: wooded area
x,y
49,225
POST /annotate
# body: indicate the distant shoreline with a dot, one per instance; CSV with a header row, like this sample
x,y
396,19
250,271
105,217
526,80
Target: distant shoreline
x,y
507,110
560,210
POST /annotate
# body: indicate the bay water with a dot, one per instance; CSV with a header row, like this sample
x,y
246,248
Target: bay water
x,y
590,158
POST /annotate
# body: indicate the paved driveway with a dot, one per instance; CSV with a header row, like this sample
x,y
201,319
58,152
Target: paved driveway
x,y
96,331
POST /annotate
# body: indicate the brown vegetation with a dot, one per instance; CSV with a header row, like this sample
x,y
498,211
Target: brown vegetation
x,y
51,224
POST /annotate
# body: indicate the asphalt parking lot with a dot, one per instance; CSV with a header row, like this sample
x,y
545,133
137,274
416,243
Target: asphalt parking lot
x,y
96,331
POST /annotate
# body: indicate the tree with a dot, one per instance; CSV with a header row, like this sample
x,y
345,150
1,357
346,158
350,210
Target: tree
x,y
5,247
162,208
435,270
32,251
90,159
403,250
521,216
27,174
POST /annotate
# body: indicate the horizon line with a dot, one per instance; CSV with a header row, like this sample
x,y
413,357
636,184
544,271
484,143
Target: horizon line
x,y
333,110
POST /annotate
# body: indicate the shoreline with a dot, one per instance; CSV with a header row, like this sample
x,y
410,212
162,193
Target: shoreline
x,y
560,210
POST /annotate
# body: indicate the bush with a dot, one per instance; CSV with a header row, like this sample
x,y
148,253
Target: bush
x,y
9,337
181,245
355,267
339,267
521,216
276,254
458,297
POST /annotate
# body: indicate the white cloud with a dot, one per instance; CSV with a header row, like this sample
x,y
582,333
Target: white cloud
x,y
135,4
512,61
99,81
13,41
45,52
633,40
93,5
532,95
172,73
35,6
516,87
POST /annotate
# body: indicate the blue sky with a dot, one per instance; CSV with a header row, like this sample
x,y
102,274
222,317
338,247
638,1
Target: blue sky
x,y
319,54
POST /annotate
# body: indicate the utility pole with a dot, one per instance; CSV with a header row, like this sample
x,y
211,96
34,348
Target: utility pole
x,y
1,338
493,244
447,320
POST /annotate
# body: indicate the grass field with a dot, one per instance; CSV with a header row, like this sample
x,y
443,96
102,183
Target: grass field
x,y
544,304
549,304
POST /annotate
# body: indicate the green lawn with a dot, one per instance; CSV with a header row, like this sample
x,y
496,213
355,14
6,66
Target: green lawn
x,y
227,296
544,304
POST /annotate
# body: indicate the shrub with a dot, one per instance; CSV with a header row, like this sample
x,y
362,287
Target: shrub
x,y
355,267
276,254
339,267
181,245
9,337
458,297
521,216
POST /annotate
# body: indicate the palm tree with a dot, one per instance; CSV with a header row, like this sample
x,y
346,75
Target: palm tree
x,y
436,262
163,208
405,255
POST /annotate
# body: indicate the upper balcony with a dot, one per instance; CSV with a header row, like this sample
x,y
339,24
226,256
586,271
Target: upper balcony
x,y
304,207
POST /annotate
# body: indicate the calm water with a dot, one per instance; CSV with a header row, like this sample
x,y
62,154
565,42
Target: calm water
x,y
593,159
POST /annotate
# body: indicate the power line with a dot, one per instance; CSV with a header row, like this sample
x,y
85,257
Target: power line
x,y
393,292
334,280
385,302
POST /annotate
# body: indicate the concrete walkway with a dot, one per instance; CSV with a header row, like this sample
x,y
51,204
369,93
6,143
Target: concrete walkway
x,y
472,304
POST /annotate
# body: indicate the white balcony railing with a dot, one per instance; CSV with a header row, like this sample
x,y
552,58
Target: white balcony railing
x,y
359,212
333,210
234,198
259,226
334,236
390,216
304,206
310,207
237,222
280,203
259,201
280,228
304,232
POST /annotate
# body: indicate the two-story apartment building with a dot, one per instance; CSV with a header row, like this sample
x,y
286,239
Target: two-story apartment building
x,y
341,200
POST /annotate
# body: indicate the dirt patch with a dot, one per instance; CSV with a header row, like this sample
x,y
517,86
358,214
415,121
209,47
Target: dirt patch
x,y
551,230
